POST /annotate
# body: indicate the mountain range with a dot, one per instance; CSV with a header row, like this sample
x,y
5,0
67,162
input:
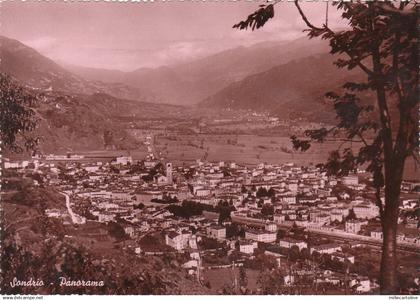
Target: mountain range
x,y
287,79
191,82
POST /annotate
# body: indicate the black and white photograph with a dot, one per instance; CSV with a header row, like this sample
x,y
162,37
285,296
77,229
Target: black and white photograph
x,y
203,147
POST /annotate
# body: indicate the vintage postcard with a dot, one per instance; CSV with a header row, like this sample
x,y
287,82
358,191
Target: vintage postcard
x,y
209,148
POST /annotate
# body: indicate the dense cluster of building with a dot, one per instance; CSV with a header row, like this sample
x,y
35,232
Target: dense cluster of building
x,y
262,200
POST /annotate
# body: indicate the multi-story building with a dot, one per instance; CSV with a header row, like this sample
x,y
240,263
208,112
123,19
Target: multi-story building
x,y
340,210
247,246
289,242
124,160
361,285
377,234
105,217
322,219
350,180
177,240
335,216
326,248
279,218
314,213
260,235
202,192
289,199
354,226
271,226
217,232
366,211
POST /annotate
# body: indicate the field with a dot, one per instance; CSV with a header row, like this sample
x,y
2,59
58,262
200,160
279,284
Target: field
x,y
243,149
248,150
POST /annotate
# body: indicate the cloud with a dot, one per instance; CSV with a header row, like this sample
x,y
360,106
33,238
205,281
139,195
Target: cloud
x,y
43,43
127,37
187,50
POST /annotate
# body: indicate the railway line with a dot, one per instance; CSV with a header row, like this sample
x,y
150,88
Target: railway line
x,y
337,236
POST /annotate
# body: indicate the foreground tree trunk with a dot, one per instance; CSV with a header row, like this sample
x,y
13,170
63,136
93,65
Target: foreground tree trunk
x,y
382,42
389,273
388,277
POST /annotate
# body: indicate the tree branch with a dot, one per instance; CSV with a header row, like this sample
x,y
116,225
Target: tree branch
x,y
326,29
380,91
305,19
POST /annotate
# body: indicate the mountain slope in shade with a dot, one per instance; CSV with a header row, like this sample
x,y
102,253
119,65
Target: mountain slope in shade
x,y
295,89
74,122
37,71
190,82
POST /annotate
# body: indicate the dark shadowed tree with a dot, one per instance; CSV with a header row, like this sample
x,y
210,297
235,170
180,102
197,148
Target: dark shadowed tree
x,y
17,115
116,231
351,215
381,41
267,210
262,192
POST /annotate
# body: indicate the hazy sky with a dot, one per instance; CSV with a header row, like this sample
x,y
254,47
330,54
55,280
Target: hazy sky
x,y
128,36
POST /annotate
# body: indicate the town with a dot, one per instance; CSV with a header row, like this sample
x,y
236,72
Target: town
x,y
305,229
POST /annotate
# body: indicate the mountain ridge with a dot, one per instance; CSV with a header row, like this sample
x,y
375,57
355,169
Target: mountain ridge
x,y
287,90
190,82
37,71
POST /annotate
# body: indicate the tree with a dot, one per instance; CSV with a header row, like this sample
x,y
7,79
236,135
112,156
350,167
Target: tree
x,y
209,243
116,231
267,210
305,253
57,259
224,214
294,253
139,206
243,279
114,169
262,192
271,193
17,115
265,262
233,230
137,168
270,282
244,189
351,215
281,234
381,41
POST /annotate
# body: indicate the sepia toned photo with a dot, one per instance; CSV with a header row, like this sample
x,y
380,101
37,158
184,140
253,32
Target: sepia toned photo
x,y
209,148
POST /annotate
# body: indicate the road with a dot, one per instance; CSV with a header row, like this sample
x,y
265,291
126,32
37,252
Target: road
x,y
76,219
153,147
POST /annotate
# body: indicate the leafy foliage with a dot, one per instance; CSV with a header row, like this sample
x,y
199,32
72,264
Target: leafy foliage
x,y
188,209
59,259
258,18
116,230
